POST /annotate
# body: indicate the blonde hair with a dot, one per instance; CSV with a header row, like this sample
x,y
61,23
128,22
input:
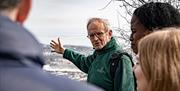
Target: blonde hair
x,y
159,57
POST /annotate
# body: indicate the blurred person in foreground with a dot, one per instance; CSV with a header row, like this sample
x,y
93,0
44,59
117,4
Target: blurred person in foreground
x,y
158,66
150,16
21,58
97,65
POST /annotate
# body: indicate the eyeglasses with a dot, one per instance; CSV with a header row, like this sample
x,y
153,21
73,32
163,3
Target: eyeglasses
x,y
98,34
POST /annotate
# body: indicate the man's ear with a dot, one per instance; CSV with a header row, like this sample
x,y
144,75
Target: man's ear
x,y
23,11
110,33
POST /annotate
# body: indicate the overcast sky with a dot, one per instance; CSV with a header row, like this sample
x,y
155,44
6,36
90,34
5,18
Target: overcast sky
x,y
67,19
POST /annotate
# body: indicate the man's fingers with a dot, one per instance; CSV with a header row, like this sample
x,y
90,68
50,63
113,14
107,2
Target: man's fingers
x,y
52,46
54,42
53,51
59,42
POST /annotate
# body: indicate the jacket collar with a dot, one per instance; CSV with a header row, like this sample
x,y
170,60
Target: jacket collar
x,y
111,45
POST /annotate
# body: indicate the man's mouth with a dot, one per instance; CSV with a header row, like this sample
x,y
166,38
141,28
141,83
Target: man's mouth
x,y
97,43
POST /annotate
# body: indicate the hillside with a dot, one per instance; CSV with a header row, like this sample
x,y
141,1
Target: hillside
x,y
56,64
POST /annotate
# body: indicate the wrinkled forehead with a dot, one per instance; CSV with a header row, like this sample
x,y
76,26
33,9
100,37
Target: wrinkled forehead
x,y
95,25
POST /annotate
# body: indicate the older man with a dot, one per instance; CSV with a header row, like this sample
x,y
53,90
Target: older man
x,y
97,65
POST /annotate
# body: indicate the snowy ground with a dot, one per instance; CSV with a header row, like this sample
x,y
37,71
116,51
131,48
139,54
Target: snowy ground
x,y
57,65
67,70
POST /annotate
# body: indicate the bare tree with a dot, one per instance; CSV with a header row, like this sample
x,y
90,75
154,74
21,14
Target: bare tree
x,y
129,6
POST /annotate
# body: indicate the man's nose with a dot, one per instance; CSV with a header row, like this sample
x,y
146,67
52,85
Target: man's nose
x,y
95,37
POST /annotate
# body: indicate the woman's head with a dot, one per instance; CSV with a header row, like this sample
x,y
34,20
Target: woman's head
x,y
9,4
17,10
150,16
157,15
160,60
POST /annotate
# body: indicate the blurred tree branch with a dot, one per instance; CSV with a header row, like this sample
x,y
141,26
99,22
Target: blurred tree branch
x,y
129,6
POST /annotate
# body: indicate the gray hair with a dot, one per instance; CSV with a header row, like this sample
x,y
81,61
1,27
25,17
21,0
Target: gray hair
x,y
101,20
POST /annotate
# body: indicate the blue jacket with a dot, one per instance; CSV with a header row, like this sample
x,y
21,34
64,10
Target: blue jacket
x,y
21,61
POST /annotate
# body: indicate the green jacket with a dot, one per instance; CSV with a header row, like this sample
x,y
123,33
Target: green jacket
x,y
98,68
